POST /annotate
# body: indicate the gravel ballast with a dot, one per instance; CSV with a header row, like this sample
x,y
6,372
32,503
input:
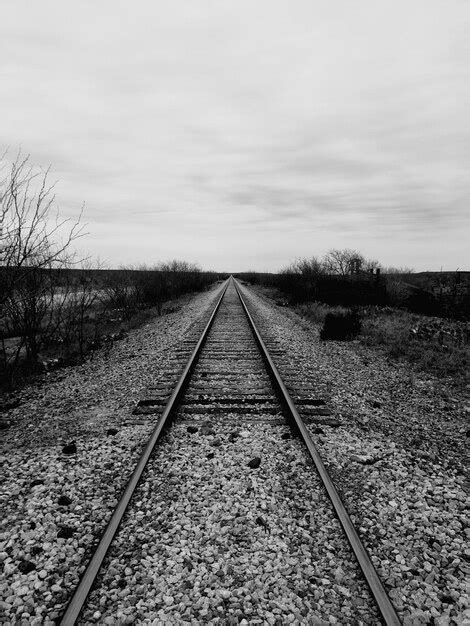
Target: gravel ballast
x,y
397,457
230,524
214,537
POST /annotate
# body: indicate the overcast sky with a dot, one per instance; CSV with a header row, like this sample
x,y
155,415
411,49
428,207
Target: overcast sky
x,y
244,134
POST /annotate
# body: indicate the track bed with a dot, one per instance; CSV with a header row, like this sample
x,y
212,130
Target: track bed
x,y
230,521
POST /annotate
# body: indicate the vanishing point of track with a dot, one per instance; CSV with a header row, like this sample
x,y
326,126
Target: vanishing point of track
x,y
290,412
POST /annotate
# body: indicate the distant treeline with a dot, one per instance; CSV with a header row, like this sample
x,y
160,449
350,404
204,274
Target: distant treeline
x,y
59,314
352,281
333,290
53,308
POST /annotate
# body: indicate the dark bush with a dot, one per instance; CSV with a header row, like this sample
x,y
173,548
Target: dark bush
x,y
341,326
422,302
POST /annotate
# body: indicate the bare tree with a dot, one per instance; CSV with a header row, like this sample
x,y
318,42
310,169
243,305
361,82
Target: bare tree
x,y
305,267
34,243
371,265
80,295
177,266
397,270
120,293
344,262
29,222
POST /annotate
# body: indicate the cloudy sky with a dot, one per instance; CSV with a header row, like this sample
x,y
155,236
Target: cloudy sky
x,y
243,134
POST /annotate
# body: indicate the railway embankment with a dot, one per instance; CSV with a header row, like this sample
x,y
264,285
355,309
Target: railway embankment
x,y
56,501
399,455
393,440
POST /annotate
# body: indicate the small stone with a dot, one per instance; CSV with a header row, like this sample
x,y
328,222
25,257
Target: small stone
x,y
262,522
22,591
344,591
70,448
216,443
26,567
42,574
339,574
254,463
445,598
417,616
188,564
363,459
207,429
65,532
64,501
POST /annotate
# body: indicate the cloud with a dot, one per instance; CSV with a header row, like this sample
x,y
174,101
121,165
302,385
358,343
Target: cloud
x,y
186,124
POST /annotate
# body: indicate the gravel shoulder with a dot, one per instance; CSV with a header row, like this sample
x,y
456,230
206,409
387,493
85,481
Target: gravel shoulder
x,y
230,523
398,456
55,501
212,540
102,391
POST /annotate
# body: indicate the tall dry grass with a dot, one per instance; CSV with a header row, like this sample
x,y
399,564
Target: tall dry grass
x,y
408,337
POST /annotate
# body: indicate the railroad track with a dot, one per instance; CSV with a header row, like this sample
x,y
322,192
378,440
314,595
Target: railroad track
x,y
235,430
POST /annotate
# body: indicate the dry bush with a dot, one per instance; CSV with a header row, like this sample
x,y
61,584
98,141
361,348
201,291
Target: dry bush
x,y
34,244
433,345
341,326
317,311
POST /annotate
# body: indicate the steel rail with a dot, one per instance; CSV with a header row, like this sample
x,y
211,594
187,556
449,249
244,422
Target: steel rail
x,y
379,594
82,590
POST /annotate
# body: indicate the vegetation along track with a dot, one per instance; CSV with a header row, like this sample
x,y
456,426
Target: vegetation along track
x,y
229,520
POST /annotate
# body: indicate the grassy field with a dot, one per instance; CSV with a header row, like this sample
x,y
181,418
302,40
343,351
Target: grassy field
x,y
421,318
435,345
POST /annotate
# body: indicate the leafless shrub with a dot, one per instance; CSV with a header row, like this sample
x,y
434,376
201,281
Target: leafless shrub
x,y
118,295
397,270
305,267
345,262
34,243
80,297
